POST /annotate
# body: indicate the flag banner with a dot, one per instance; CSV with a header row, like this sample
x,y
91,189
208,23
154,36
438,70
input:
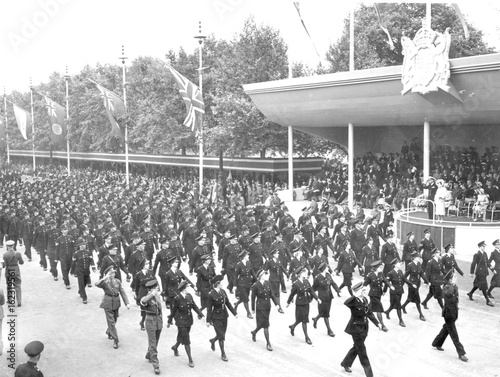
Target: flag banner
x,y
24,121
382,26
193,100
114,106
57,126
297,6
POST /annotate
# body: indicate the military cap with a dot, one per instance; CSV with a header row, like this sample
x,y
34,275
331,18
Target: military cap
x,y
255,235
171,258
369,238
109,269
140,242
321,227
34,348
414,254
285,208
322,266
217,279
357,287
304,209
182,285
112,246
260,273
427,231
81,241
231,216
299,270
136,235
394,261
409,234
376,263
296,249
200,237
10,243
64,227
152,283
496,242
244,227
267,224
482,243
206,257
434,251
447,247
232,237
163,240
274,251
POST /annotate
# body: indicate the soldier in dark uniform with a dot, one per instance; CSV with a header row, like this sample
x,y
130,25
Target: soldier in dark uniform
x,y
11,261
116,260
172,280
30,369
132,247
323,240
182,313
357,239
450,315
448,261
141,279
136,261
205,274
368,255
308,234
261,305
414,273
244,277
230,260
175,245
408,248
52,235
435,276
27,233
388,253
276,272
195,260
40,241
256,252
426,246
217,314
494,258
151,241
347,263
358,329
302,288
323,284
377,282
396,280
189,237
80,267
374,232
162,261
268,236
479,267
14,228
284,253
341,236
65,248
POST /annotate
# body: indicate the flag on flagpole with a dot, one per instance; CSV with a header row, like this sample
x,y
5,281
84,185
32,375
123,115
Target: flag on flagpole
x,y
114,106
297,7
24,121
383,27
193,99
57,113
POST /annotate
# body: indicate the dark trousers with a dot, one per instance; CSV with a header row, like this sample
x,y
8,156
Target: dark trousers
x,y
83,280
65,267
111,319
231,279
27,247
1,238
53,265
450,329
43,259
358,349
430,210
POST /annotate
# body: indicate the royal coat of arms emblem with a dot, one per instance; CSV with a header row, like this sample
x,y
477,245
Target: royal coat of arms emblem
x,y
426,67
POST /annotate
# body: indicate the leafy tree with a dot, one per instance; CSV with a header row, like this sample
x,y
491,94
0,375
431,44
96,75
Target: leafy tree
x,y
371,48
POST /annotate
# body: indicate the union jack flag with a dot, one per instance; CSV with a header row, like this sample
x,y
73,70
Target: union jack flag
x,y
193,100
114,106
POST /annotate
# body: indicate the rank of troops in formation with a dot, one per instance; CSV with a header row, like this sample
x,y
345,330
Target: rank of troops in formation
x,y
142,236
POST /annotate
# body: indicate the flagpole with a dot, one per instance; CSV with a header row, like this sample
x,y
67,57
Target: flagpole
x,y
123,58
6,122
66,78
32,125
201,38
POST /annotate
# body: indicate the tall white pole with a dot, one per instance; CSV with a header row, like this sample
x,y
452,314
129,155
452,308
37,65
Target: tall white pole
x,y
290,140
351,40
200,38
428,14
427,148
6,123
66,78
350,127
32,125
123,58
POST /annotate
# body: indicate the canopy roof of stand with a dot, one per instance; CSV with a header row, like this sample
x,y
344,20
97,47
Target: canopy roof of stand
x,y
372,97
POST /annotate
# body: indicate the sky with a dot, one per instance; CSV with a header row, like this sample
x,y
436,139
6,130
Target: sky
x,y
38,37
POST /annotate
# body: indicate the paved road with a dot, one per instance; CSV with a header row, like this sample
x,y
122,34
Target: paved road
x,y
76,345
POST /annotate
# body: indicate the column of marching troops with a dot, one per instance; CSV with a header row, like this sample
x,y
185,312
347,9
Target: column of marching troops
x,y
147,232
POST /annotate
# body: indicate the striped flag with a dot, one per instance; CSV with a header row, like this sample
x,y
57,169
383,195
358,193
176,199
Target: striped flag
x,y
193,99
114,106
24,121
57,126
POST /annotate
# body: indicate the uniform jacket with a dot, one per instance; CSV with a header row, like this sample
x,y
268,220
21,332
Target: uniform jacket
x,y
414,273
479,265
408,248
245,275
304,292
360,313
181,311
347,262
323,285
388,253
261,296
204,278
218,305
12,260
426,245
449,262
65,247
434,273
397,279
276,270
450,295
377,282
112,291
172,280
81,263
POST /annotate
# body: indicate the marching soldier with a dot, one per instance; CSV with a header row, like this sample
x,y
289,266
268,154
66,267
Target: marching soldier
x,y
494,258
479,267
414,273
396,279
115,260
205,274
448,261
408,248
230,260
435,277
64,253
80,267
27,233
426,246
40,241
11,261
388,253
244,278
